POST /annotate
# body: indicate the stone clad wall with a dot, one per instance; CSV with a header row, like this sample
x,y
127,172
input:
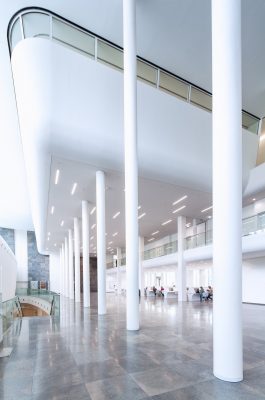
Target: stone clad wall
x,y
38,264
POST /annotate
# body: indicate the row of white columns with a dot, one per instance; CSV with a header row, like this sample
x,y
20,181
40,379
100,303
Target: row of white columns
x,y
227,191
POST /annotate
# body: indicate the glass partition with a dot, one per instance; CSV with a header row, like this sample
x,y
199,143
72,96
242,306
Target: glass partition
x,y
9,310
160,251
51,297
16,34
71,36
173,85
36,25
146,72
201,98
109,54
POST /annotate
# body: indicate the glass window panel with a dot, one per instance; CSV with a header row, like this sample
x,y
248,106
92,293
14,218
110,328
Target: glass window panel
x,y
146,72
16,34
201,98
72,36
249,226
110,55
36,25
250,123
173,85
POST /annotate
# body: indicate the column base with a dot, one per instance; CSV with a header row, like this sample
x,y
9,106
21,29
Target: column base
x,y
224,378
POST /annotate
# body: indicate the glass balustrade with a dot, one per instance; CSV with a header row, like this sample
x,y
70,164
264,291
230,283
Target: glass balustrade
x,y
44,24
51,297
9,310
160,251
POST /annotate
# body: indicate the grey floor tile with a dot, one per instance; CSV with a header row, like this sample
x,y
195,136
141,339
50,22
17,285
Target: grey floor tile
x,y
118,388
159,380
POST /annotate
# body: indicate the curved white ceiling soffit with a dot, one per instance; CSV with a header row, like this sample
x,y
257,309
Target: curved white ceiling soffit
x,y
72,107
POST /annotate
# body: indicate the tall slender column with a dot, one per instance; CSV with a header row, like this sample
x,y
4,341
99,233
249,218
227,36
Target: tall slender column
x,y
227,190
85,241
63,267
61,271
131,164
101,242
66,263
118,270
141,270
71,265
181,281
77,260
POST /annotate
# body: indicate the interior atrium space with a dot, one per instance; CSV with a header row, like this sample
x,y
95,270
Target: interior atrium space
x,y
132,206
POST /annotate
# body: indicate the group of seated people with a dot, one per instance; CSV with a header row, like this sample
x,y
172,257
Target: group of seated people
x,y
157,292
205,295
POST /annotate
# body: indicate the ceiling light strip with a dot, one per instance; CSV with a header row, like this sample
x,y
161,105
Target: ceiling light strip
x,y
179,200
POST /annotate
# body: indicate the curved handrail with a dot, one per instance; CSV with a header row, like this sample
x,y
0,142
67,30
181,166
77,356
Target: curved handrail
x,y
102,50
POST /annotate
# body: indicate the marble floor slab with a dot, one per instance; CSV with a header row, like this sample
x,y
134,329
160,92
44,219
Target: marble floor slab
x,y
83,356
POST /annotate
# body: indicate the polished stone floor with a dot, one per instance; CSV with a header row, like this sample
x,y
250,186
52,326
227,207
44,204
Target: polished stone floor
x,y
84,356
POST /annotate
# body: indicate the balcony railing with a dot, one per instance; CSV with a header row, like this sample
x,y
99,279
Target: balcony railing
x,y
160,251
40,23
47,295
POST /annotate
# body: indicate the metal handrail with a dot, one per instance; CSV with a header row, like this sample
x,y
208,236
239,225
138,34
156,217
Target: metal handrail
x,y
251,121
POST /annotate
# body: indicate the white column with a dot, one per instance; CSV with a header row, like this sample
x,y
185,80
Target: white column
x,y
118,270
131,164
85,241
61,271
141,270
181,277
71,265
101,242
77,260
63,267
21,253
66,263
227,190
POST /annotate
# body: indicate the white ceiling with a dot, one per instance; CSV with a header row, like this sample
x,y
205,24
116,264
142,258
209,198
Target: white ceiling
x,y
155,199
173,34
77,114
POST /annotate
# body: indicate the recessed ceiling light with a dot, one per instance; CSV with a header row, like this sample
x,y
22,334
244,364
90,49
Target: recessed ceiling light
x,y
48,238
62,223
92,237
49,233
52,209
167,222
139,207
115,234
209,216
188,225
179,200
150,240
110,242
116,215
108,248
178,209
57,174
254,199
142,215
55,244
73,188
93,226
93,210
155,233
206,209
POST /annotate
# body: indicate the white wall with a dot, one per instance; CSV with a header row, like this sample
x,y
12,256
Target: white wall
x,y
254,280
21,252
8,271
55,272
